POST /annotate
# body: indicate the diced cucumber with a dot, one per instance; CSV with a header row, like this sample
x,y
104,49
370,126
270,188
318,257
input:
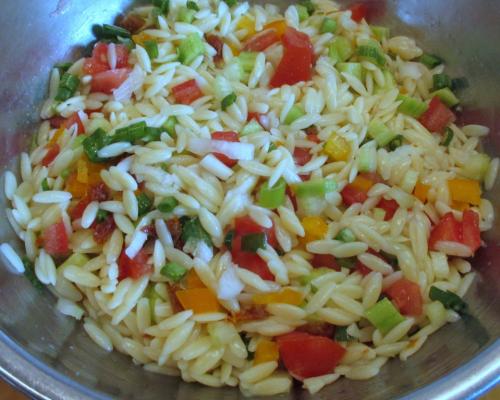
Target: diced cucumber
x,y
340,50
411,106
381,133
294,114
354,69
367,157
190,48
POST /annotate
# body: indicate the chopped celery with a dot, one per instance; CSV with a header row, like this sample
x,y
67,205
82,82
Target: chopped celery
x,y
430,61
174,271
151,47
247,60
367,157
441,81
192,230
233,70
228,239
449,299
294,114
96,123
340,49
314,188
381,32
253,242
252,127
476,166
168,204
186,15
151,294
272,197
381,133
411,106
228,101
329,25
448,138
395,143
302,12
76,259
346,235
384,316
315,273
190,48
350,68
372,54
447,97
436,313
144,203
93,143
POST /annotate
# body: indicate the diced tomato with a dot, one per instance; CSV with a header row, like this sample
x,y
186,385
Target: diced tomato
x,y
99,192
107,81
470,230
52,153
351,195
77,211
226,137
150,230
99,60
72,120
306,356
217,43
359,11
406,296
262,119
250,261
187,92
301,156
133,268
447,229
56,122
389,206
297,62
103,230
325,260
262,40
437,117
318,329
246,226
55,240
175,228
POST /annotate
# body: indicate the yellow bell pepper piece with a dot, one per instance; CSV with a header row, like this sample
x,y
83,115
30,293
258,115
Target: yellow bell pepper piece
x,y
315,228
285,296
82,171
248,24
420,192
77,189
362,183
200,300
465,191
337,148
266,351
193,281
55,138
142,37
279,26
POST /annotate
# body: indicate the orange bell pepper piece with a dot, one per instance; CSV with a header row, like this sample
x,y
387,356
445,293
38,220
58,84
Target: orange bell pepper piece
x,y
286,296
266,350
420,192
77,189
279,26
200,300
193,281
362,183
465,191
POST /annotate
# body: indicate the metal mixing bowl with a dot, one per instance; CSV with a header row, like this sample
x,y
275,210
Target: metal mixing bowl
x,y
49,356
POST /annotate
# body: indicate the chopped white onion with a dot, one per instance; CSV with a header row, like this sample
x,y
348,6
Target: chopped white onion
x,y
233,150
131,84
230,285
203,252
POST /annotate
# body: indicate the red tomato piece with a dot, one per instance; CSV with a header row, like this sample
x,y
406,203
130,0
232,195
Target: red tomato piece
x,y
107,81
226,137
301,156
389,206
55,240
103,230
262,40
297,62
359,11
99,60
351,195
250,261
246,226
313,138
471,235
372,176
72,120
406,296
217,43
133,268
447,229
187,92
56,122
52,153
77,211
437,117
306,356
150,230
325,260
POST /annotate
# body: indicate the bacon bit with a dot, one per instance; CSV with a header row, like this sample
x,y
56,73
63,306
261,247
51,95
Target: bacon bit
x,y
318,329
175,228
217,43
251,313
103,230
174,302
131,22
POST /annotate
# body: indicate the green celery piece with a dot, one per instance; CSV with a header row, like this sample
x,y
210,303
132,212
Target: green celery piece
x,y
367,158
381,32
186,15
476,166
93,143
247,60
351,68
411,106
384,316
170,126
314,188
152,295
294,114
329,25
272,197
174,271
372,54
190,48
380,132
447,97
302,12
250,128
340,50
151,46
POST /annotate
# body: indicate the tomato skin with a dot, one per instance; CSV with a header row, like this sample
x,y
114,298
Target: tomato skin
x,y
55,240
187,92
405,294
51,155
447,229
351,195
107,81
250,261
307,356
227,137
262,40
389,206
297,62
301,156
99,60
471,235
437,117
325,260
133,268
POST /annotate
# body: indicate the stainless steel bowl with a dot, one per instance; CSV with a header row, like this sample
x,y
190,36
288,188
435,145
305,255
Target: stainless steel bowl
x,y
48,356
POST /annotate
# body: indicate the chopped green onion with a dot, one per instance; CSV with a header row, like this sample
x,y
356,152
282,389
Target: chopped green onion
x,y
272,197
67,87
163,6
346,236
228,101
101,215
340,49
411,106
354,69
384,316
314,188
476,166
329,25
110,32
228,239
45,185
193,231
231,3
309,5
130,133
94,143
458,84
341,334
252,127
144,203
152,134
151,47
430,61
170,126
174,271
192,6
294,114
449,299
447,97
186,15
381,32
348,263
367,157
372,54
396,142
63,67
315,273
29,273
381,133
441,81
247,60
253,242
190,48
168,204
448,138
301,12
